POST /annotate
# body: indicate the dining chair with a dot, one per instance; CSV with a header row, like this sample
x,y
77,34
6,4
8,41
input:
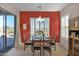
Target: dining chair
x,y
35,46
53,41
47,45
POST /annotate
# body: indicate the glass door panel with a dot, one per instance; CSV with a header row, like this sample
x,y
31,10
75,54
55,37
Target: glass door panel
x,y
10,30
7,30
1,33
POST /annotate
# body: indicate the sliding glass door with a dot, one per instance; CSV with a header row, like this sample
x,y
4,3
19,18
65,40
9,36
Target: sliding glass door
x,y
1,32
7,30
10,30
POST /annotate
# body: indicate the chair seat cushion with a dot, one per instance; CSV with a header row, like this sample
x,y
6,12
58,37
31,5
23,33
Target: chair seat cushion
x,y
37,48
47,48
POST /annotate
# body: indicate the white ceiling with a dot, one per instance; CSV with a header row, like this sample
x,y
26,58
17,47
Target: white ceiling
x,y
34,6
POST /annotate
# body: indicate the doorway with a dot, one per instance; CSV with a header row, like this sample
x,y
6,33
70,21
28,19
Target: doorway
x,y
37,24
7,30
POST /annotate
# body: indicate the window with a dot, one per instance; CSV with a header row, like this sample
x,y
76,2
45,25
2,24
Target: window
x,y
64,26
39,25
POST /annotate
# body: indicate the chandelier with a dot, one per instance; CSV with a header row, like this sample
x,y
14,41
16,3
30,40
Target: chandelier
x,y
40,8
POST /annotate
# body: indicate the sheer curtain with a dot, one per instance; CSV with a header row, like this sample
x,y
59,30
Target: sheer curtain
x,y
64,26
64,30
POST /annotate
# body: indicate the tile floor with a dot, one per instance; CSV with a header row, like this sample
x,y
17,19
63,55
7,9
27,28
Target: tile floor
x,y
60,51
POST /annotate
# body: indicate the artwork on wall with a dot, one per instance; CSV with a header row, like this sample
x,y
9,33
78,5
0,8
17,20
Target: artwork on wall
x,y
24,26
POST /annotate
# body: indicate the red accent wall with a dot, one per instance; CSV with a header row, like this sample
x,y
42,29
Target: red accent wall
x,y
54,23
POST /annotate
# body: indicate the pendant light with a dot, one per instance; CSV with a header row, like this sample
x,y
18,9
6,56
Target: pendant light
x,y
40,7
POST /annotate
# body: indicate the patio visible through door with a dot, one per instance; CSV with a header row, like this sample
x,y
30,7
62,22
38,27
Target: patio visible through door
x,y
37,24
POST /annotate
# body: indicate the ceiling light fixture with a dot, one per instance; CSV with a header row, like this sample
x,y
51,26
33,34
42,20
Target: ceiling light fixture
x,y
40,8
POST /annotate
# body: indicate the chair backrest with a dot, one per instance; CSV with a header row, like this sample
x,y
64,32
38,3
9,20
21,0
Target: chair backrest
x,y
36,40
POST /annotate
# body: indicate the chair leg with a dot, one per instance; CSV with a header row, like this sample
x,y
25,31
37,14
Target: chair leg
x,y
43,52
24,47
55,47
40,52
33,53
50,52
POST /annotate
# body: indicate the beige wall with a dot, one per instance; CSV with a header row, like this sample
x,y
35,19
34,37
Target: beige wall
x,y
73,11
8,7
